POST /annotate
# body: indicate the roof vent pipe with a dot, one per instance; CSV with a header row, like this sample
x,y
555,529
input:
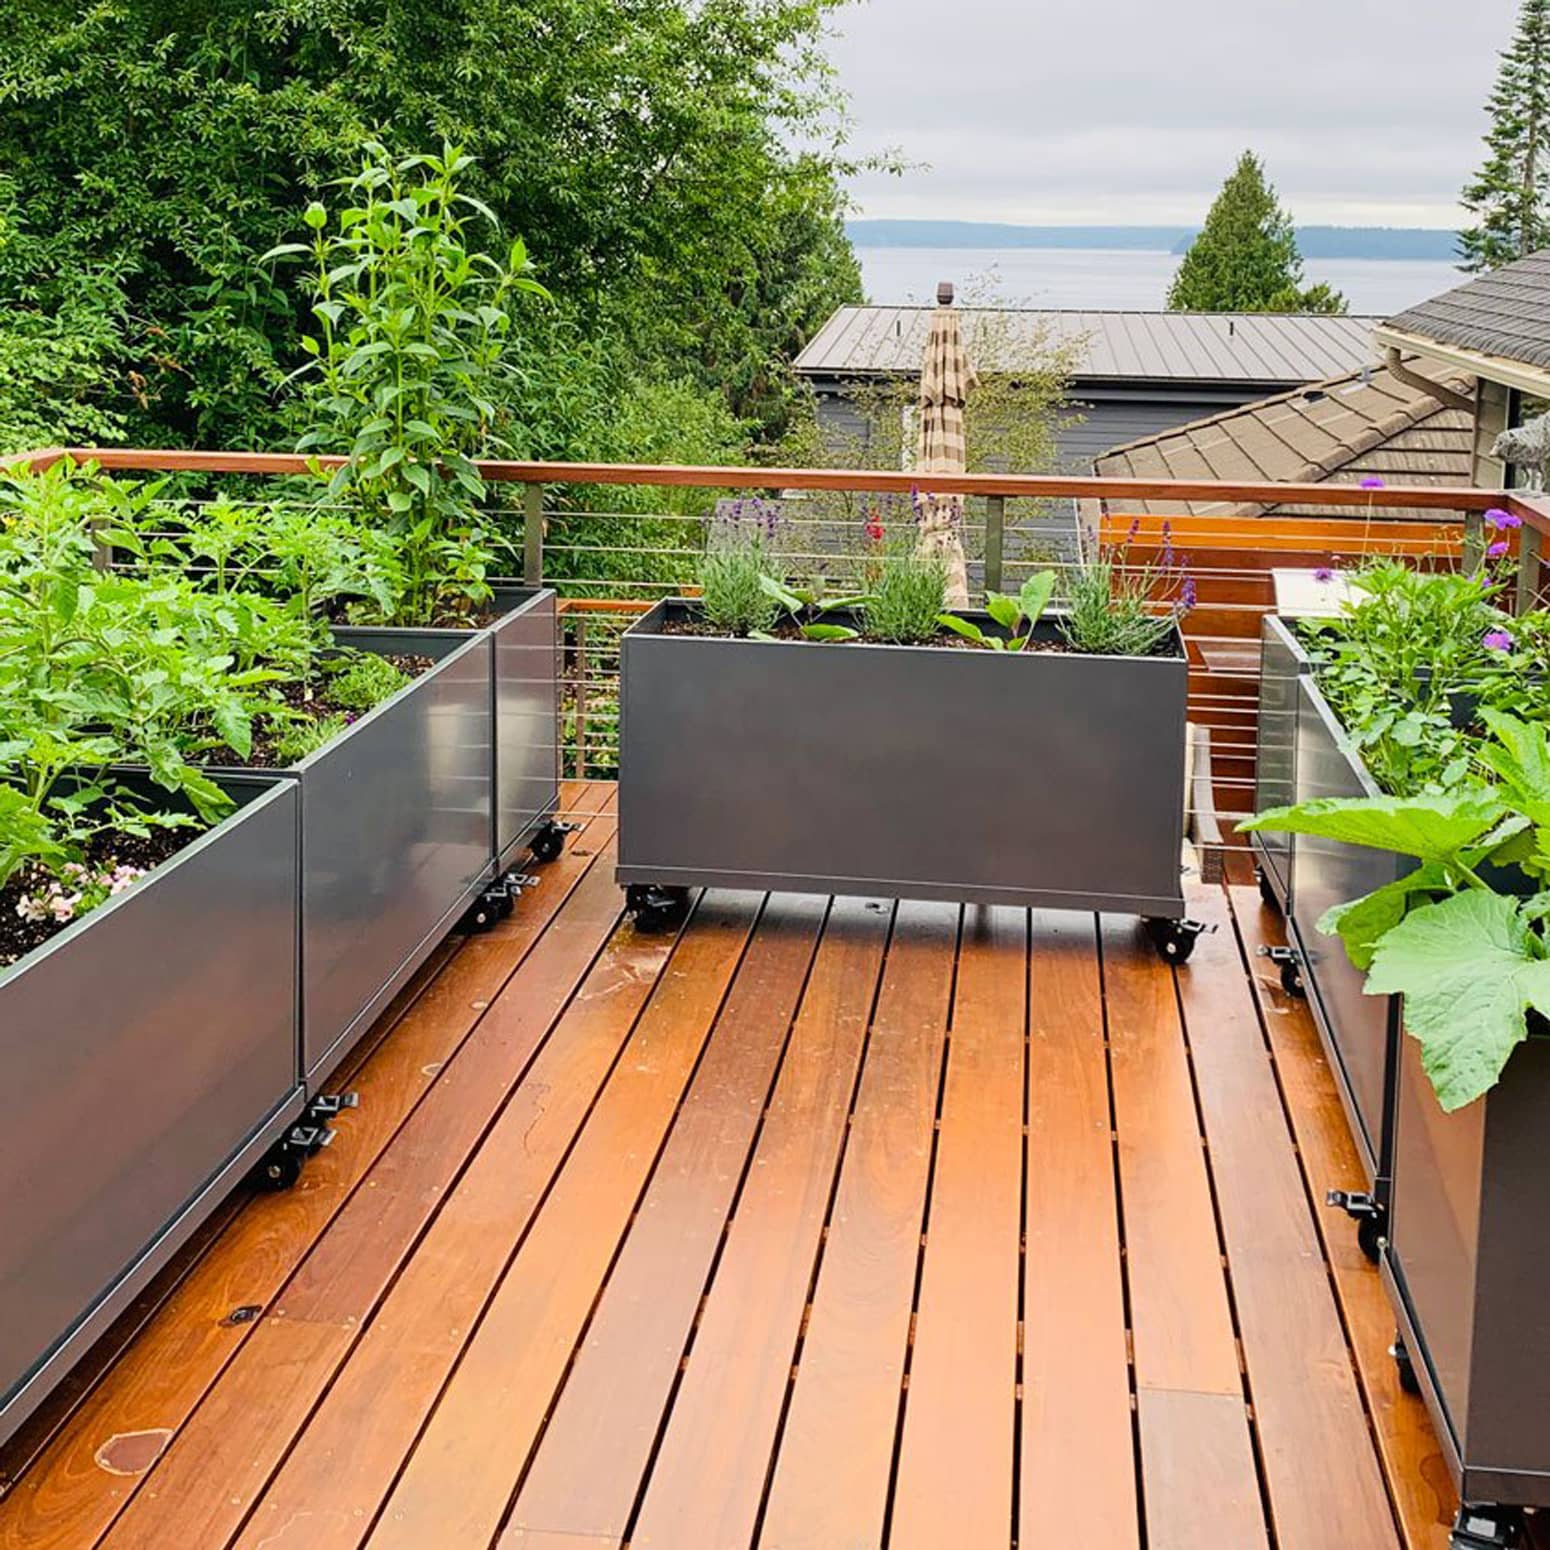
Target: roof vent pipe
x,y
944,293
1450,398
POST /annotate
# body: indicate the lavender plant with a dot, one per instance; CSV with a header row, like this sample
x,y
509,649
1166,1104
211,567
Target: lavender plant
x,y
1115,607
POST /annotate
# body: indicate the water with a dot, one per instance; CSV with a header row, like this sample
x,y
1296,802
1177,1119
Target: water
x,y
1096,280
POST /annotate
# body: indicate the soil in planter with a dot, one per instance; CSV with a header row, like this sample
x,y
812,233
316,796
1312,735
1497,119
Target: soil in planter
x,y
269,751
18,936
785,630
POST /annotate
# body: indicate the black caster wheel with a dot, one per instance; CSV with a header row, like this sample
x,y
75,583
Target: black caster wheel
x,y
1174,939
1371,1232
1291,978
1266,892
279,1170
487,911
547,843
1405,1367
1487,1528
656,907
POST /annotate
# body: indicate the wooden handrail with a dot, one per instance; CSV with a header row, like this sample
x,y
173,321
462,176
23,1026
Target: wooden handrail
x,y
871,481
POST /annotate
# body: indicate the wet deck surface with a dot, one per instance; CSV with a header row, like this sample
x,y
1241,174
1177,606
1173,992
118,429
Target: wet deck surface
x,y
823,1224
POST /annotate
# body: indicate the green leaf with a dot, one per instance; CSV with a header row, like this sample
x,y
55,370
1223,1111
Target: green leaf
x,y
834,632
1429,828
1361,923
1521,762
1035,595
963,627
1469,969
1006,611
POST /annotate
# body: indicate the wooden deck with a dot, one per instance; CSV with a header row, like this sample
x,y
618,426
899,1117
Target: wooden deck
x,y
828,1224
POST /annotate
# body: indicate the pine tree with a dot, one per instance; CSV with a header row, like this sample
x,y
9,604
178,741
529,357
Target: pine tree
x,y
1510,197
1246,259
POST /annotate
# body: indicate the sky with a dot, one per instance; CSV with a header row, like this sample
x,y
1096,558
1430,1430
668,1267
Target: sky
x,y
1131,112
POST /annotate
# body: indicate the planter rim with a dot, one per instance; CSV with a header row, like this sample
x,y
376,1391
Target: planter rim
x,y
270,780
639,630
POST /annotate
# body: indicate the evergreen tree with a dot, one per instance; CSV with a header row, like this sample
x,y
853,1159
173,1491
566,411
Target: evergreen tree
x,y
1510,196
1246,259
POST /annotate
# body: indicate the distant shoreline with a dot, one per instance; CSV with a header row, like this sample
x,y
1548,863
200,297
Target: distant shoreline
x,y
1378,242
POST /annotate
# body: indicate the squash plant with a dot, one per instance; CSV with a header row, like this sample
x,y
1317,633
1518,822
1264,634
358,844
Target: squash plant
x,y
1469,956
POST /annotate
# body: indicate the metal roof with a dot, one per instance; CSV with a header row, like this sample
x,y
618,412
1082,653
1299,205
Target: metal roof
x,y
1260,348
1345,429
1505,313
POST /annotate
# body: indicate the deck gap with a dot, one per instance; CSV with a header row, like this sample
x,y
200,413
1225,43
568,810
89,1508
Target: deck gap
x,y
1256,1443
1119,1218
925,1228
1022,1234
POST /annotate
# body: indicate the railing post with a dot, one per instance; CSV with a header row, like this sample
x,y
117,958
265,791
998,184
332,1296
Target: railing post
x,y
582,707
995,541
533,535
1529,546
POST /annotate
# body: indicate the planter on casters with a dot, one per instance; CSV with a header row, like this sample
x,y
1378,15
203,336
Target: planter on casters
x,y
397,825
150,1053
1464,1266
526,645
1050,779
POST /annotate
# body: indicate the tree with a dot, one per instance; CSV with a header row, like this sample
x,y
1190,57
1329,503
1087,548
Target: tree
x,y
1246,259
1510,196
674,165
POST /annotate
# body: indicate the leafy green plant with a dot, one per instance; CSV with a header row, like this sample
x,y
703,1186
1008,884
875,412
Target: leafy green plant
x,y
806,607
1017,616
733,573
1116,608
1395,662
363,680
303,735
907,592
416,346
1455,937
99,669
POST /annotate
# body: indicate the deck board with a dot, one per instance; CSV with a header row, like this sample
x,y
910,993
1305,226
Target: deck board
x,y
821,1225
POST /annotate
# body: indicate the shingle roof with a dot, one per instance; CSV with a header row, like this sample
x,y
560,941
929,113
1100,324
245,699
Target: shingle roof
x,y
1505,313
1344,430
1255,348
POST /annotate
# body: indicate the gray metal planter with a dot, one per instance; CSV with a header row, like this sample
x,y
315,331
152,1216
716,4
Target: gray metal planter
x,y
1361,1033
150,1059
527,718
397,832
1283,663
1046,779
1466,1266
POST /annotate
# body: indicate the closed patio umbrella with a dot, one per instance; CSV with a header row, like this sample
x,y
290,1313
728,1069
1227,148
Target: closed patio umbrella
x,y
946,377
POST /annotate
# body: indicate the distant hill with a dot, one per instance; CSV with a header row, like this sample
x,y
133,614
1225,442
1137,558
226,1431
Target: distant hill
x,y
1315,241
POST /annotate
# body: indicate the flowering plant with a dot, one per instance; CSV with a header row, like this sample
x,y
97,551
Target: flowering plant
x,y
75,890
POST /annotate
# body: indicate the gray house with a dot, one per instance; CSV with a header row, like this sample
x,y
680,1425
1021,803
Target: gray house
x,y
1137,373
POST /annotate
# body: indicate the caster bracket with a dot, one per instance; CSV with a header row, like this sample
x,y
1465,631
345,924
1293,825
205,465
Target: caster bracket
x,y
1487,1528
281,1165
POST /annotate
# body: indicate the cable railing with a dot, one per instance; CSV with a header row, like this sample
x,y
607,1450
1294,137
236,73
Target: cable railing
x,y
610,559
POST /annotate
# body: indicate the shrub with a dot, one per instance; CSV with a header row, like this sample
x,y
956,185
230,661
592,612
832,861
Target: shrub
x,y
907,592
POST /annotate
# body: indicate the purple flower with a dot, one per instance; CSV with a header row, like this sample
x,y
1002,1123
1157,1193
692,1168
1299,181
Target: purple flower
x,y
1497,550
1372,482
1188,595
1324,573
1497,640
1500,519
1135,530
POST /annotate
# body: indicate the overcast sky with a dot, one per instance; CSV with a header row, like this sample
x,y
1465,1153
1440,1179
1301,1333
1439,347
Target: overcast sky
x,y
1131,112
